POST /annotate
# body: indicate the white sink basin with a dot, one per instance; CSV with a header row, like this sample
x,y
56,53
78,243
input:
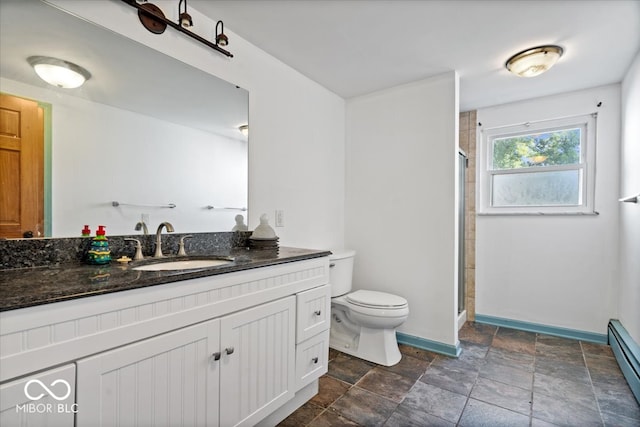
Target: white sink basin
x,y
184,265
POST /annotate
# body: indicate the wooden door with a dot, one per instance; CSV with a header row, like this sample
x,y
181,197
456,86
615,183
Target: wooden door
x,y
21,167
169,380
257,373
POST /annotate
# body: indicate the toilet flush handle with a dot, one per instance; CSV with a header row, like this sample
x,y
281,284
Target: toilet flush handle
x,y
331,265
317,312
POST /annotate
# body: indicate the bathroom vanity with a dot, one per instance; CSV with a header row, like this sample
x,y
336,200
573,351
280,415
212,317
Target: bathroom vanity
x,y
241,344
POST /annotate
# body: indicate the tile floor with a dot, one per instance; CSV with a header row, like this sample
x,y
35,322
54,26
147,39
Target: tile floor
x,y
503,377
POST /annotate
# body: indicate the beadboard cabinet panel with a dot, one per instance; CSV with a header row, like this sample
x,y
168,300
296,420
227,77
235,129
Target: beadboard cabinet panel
x,y
168,380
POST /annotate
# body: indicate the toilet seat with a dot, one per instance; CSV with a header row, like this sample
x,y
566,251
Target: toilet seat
x,y
376,300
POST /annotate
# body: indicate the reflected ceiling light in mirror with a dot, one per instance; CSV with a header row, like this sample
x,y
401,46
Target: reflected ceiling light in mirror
x,y
57,72
184,19
244,129
535,61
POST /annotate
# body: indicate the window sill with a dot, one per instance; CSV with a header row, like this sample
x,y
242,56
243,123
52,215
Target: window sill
x,y
592,213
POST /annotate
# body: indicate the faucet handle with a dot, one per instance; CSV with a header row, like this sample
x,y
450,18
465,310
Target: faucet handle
x,y
181,251
138,255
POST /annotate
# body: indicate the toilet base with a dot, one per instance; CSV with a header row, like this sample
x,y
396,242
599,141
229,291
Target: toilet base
x,y
375,345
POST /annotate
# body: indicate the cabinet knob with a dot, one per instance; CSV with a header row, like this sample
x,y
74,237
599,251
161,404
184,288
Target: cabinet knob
x,y
314,360
229,350
317,312
216,355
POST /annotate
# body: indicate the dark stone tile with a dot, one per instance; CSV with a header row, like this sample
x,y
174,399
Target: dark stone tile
x,y
580,394
418,353
562,369
330,389
333,353
617,400
457,363
535,422
554,341
403,417
563,412
349,369
567,353
503,395
302,416
516,334
507,374
364,407
615,420
514,344
473,352
409,367
456,380
477,333
330,418
480,414
603,364
514,359
603,350
387,384
435,401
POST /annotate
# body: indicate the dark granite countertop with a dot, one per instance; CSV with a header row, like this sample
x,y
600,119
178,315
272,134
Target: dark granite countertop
x,y
26,287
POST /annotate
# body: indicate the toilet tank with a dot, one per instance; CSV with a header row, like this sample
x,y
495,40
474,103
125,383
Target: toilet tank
x,y
341,271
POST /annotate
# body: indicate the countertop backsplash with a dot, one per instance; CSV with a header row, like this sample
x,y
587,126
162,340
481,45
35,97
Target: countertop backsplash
x,y
29,253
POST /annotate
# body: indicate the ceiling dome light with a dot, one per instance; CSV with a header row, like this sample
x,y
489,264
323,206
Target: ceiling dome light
x,y
534,61
244,129
58,72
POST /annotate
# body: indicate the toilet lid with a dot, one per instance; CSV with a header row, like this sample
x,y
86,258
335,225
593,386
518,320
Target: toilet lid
x,y
376,299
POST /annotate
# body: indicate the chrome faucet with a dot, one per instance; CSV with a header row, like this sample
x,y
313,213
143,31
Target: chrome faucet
x,y
170,229
142,226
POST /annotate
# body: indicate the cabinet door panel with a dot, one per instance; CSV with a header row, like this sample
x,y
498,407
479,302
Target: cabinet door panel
x,y
259,374
168,380
19,410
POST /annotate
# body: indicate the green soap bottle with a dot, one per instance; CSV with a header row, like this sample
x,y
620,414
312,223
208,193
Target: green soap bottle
x,y
99,252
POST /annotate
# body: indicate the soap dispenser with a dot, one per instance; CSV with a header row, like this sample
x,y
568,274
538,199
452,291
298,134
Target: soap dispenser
x,y
99,252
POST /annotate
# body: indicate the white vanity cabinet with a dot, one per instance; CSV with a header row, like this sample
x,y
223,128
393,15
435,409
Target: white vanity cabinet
x,y
229,372
235,349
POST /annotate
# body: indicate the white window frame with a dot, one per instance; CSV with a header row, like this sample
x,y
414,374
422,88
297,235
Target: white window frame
x,y
587,166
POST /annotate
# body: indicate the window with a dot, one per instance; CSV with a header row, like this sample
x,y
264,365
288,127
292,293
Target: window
x,y
539,168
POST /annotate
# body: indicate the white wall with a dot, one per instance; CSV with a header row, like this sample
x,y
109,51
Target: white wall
x,y
296,142
629,299
203,169
401,199
555,270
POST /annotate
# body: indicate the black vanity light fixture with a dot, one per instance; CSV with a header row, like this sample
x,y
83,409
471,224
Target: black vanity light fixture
x,y
184,19
153,19
534,61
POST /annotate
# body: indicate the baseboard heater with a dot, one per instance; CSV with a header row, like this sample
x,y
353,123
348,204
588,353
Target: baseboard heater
x,y
627,353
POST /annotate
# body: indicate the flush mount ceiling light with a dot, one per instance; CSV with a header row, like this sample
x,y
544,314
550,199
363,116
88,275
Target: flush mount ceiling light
x,y
534,61
58,72
244,129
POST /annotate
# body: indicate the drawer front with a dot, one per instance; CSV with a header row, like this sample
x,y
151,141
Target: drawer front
x,y
312,359
313,312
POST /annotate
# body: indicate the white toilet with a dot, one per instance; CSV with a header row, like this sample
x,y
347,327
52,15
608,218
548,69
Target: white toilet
x,y
363,323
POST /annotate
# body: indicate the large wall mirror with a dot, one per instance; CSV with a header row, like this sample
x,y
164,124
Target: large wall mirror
x,y
146,130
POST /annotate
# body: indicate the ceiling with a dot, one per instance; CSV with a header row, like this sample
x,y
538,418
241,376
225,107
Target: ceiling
x,y
160,86
354,47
